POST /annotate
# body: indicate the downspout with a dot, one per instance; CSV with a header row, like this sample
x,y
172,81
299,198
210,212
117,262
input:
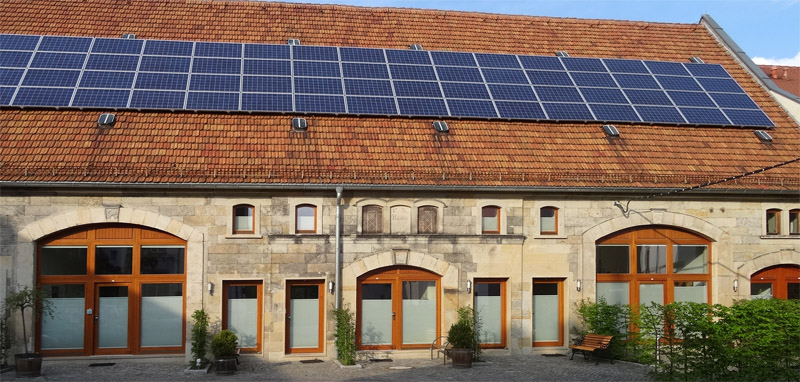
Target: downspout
x,y
338,282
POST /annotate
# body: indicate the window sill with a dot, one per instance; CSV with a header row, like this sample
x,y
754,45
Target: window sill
x,y
780,236
546,236
243,236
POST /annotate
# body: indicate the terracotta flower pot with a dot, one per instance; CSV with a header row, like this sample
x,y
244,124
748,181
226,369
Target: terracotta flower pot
x,y
28,365
462,358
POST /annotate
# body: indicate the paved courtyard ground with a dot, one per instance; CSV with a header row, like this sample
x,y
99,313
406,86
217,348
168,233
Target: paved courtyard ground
x,y
498,367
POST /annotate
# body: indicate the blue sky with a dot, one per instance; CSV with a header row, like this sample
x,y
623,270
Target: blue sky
x,y
768,30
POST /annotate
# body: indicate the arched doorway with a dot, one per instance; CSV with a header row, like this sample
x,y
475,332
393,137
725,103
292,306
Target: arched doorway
x,y
779,281
116,289
398,308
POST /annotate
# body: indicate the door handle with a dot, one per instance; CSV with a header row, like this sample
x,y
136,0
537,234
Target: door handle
x,y
392,315
96,318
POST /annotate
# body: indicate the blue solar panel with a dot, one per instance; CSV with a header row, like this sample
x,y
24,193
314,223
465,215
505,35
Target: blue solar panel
x,y
5,95
368,87
267,84
65,44
691,99
217,49
215,83
449,73
268,67
108,80
707,70
512,92
212,101
316,69
606,112
267,102
408,57
371,105
636,81
678,83
671,68
117,45
594,79
58,60
43,97
505,76
647,97
101,98
488,60
362,55
748,117
471,108
568,111
558,94
15,59
165,64
541,77
168,48
541,62
112,62
464,90
314,53
625,66
359,70
453,58
422,106
417,89
317,85
660,114
601,95
266,51
526,110
11,77
319,104
217,66
583,64
704,116
736,101
148,99
161,81
44,77
18,42
719,85
412,72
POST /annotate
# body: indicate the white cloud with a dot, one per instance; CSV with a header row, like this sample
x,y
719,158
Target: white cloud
x,y
791,61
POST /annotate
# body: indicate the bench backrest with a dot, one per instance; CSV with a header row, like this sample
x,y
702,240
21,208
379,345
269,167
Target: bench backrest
x,y
596,340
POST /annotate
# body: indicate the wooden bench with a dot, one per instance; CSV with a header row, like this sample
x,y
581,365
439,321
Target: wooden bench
x,y
441,346
593,343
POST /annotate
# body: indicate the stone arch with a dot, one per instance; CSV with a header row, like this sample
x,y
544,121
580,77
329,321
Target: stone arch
x,y
783,256
359,267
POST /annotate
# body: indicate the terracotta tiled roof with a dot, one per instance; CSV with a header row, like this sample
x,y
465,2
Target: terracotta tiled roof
x,y
183,147
786,77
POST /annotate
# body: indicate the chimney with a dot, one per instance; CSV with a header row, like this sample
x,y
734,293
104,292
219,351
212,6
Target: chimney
x,y
774,73
785,73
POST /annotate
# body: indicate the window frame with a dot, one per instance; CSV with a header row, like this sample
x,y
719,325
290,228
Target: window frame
x,y
794,213
484,231
366,209
435,223
234,227
297,218
777,213
555,221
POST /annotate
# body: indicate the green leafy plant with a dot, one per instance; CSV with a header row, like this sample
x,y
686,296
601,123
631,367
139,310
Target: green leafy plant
x,y
27,298
224,344
345,336
5,336
610,319
464,333
199,337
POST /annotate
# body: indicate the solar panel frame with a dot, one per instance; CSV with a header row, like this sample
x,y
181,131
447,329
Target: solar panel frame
x,y
101,98
366,55
371,105
106,80
520,110
460,74
168,48
51,78
117,45
11,77
471,108
19,42
505,76
58,60
43,96
64,44
154,99
368,87
15,59
748,117
6,94
662,114
115,62
454,59
267,84
512,92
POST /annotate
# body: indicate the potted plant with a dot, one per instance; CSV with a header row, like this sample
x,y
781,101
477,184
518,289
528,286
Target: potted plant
x,y
28,364
224,346
463,337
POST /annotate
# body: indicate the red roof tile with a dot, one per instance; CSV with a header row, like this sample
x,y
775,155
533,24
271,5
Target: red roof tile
x,y
786,77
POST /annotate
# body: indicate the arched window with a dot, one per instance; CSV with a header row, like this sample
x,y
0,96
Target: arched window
x,y
773,222
794,222
427,219
548,221
306,218
490,219
244,218
372,219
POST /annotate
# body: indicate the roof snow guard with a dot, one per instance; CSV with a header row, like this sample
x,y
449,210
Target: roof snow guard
x,y
105,73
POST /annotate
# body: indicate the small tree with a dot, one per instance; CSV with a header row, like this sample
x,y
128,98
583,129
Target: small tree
x,y
199,336
5,335
33,299
345,336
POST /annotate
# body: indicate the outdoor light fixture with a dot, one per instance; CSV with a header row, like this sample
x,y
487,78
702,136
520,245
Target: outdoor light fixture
x,y
469,286
331,286
736,285
579,285
210,288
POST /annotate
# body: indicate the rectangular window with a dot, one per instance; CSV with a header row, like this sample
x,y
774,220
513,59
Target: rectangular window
x,y
162,260
306,219
548,221
243,219
760,290
613,259
773,222
419,312
794,222
690,259
64,329
112,260
490,222
546,314
651,259
162,315
490,309
242,313
691,291
63,260
613,293
304,317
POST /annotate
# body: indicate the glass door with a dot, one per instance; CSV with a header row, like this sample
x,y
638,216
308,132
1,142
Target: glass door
x,y
548,307
491,310
241,312
304,316
419,312
377,315
112,319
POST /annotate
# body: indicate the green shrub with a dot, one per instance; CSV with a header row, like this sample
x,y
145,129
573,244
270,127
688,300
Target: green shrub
x,y
345,336
611,320
199,336
461,335
5,336
224,344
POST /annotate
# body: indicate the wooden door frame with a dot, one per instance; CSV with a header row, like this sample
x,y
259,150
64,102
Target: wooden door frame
x,y
503,309
560,285
132,313
321,332
779,276
260,308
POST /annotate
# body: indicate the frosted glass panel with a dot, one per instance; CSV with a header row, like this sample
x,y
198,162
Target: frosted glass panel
x,y
376,314
244,223
305,219
419,312
548,220
614,293
545,312
690,291
113,312
649,293
65,329
162,315
304,323
243,321
488,305
760,290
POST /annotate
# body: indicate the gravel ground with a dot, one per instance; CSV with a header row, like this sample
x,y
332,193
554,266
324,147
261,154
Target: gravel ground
x,y
501,367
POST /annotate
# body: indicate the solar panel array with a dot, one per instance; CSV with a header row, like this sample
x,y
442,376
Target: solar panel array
x,y
106,73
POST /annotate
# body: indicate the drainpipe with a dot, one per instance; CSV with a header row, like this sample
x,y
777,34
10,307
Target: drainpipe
x,y
338,283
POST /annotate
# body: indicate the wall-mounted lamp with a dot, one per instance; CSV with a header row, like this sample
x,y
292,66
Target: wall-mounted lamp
x,y
331,286
210,288
578,285
469,286
736,285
